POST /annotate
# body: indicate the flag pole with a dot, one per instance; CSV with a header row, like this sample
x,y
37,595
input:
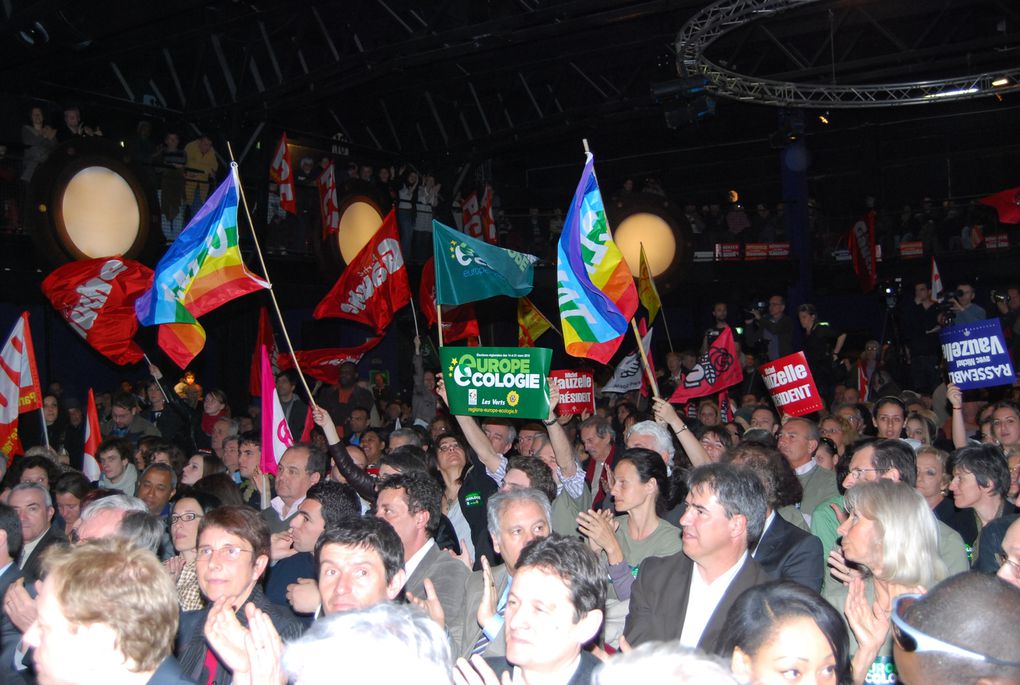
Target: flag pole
x,y
644,360
265,272
439,321
415,318
158,384
665,324
45,433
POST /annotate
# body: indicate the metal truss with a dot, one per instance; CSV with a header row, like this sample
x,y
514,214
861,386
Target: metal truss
x,y
724,16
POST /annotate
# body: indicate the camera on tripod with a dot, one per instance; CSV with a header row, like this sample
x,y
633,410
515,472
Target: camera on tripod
x,y
998,296
891,291
758,306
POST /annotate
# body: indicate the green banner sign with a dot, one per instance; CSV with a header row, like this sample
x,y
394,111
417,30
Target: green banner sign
x,y
510,382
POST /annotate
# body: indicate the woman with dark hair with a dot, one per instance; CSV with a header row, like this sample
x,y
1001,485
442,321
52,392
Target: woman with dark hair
x,y
780,632
921,428
466,491
715,440
35,468
214,408
201,465
222,487
56,421
231,555
68,492
187,515
640,491
980,483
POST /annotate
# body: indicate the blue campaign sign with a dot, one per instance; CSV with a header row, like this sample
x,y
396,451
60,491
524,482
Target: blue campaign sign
x,y
976,355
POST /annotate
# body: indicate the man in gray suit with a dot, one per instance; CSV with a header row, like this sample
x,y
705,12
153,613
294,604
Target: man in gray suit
x,y
10,549
515,518
686,596
412,504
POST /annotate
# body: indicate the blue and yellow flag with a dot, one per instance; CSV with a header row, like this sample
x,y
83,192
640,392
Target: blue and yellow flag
x,y
596,290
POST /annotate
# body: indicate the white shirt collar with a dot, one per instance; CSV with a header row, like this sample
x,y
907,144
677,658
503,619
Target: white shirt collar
x,y
411,564
807,468
277,504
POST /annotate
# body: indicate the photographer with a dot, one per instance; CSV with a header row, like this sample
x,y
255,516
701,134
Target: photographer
x,y
822,345
963,304
770,331
921,333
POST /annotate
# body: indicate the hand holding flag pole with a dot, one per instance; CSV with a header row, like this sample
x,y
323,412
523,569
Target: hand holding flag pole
x,y
644,361
265,273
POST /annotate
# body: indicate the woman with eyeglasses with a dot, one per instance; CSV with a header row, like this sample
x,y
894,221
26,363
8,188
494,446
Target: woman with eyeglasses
x,y
782,632
230,557
839,430
185,518
715,440
891,537
466,491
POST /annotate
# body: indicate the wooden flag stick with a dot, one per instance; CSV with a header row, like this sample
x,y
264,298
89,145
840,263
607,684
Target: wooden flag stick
x,y
439,322
665,325
644,360
265,273
158,384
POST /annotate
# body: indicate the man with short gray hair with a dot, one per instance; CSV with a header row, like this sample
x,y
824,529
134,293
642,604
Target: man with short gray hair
x,y
34,507
687,595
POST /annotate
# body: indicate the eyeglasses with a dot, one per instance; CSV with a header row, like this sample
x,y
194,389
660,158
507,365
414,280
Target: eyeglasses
x,y
913,640
184,518
450,447
830,431
857,473
231,552
1014,566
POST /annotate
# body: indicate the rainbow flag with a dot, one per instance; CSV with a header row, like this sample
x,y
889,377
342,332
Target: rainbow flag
x,y
202,270
596,290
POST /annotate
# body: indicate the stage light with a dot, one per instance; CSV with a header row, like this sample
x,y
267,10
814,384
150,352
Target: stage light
x,y
100,212
734,197
824,118
88,202
360,218
652,231
999,82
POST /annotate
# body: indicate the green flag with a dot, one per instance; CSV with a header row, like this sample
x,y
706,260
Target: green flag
x,y
468,269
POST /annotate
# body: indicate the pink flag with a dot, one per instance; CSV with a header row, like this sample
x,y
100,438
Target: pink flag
x,y
276,436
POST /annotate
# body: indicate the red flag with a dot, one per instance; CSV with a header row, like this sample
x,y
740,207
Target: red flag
x,y
306,434
374,285
936,283
90,460
862,382
472,218
458,322
716,370
1006,204
282,174
276,437
328,202
324,364
488,221
864,251
265,339
97,299
19,384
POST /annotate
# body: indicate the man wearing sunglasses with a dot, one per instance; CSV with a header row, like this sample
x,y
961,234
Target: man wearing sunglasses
x,y
963,632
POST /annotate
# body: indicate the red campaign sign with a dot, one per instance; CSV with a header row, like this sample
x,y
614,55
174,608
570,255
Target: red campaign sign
x,y
791,385
577,391
779,250
755,251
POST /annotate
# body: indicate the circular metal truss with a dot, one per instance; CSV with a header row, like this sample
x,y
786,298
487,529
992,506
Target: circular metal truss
x,y
724,16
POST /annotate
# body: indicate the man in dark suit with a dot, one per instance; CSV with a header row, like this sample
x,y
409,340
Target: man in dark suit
x,y
412,504
34,507
686,596
10,549
784,550
129,588
556,606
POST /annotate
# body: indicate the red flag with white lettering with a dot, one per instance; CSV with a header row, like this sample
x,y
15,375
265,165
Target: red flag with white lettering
x,y
328,203
374,285
324,364
487,218
472,218
282,174
97,299
458,322
90,460
19,384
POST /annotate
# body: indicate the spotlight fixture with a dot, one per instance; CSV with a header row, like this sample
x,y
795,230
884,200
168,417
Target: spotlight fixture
x,y
999,82
824,118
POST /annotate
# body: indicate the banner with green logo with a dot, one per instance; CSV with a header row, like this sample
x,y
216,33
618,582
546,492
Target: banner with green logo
x,y
468,269
510,382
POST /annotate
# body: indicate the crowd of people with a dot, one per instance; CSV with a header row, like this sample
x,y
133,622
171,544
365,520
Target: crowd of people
x,y
714,542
